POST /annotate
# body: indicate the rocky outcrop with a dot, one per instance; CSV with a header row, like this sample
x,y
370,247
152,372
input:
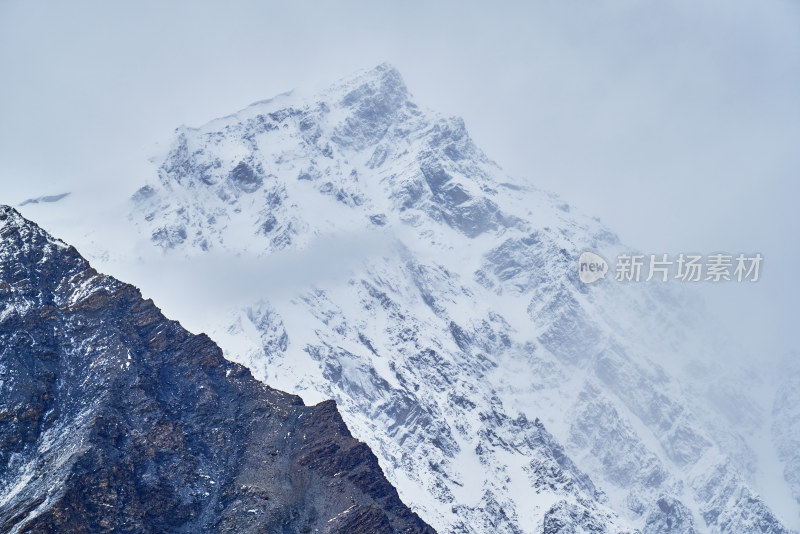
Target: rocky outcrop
x,y
115,419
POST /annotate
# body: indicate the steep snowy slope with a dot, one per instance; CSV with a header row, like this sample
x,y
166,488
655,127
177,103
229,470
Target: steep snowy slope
x,y
460,331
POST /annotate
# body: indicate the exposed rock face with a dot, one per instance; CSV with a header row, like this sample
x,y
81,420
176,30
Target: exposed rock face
x,y
669,516
113,418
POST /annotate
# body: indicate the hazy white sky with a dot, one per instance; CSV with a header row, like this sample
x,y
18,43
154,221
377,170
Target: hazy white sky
x,y
677,123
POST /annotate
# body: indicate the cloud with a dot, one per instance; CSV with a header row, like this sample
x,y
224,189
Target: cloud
x,y
188,286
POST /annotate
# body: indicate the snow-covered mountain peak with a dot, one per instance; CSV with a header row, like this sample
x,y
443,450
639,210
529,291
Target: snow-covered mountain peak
x,y
362,150
11,221
442,346
10,216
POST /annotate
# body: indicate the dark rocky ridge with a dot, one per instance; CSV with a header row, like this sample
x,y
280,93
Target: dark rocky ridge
x,y
113,418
